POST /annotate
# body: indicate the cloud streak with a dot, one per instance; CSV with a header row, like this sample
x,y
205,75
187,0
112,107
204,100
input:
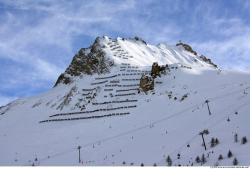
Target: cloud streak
x,y
39,38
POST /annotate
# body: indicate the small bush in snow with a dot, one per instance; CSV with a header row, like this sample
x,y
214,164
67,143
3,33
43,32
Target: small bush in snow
x,y
155,164
178,156
123,162
169,96
220,157
235,161
229,154
142,164
184,97
212,142
216,141
197,159
244,140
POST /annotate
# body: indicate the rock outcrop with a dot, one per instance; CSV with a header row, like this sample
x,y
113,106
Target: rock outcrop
x,y
207,60
146,83
87,61
187,47
140,39
157,70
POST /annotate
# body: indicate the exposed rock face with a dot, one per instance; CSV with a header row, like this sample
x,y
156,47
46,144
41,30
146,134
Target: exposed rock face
x,y
140,39
87,61
146,83
63,78
207,60
67,98
157,70
187,47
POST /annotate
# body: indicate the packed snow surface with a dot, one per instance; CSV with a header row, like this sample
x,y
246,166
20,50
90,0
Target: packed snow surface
x,y
116,125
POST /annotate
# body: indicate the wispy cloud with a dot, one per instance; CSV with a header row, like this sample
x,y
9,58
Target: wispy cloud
x,y
39,38
228,44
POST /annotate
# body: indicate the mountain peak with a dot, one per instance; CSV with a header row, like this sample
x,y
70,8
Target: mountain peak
x,y
106,53
120,93
87,61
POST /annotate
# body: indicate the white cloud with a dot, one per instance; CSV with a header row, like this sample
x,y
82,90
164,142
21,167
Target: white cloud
x,y
232,51
58,25
5,100
31,29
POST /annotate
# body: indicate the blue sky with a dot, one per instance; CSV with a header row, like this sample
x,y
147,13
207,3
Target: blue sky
x,y
39,38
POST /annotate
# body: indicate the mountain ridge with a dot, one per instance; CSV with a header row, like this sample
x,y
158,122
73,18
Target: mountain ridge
x,y
108,112
97,58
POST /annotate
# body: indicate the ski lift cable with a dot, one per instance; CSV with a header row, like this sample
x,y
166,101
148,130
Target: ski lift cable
x,y
228,108
224,117
142,127
123,133
228,94
210,126
133,130
217,86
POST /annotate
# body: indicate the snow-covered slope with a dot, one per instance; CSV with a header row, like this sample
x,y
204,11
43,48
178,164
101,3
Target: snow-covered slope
x,y
100,109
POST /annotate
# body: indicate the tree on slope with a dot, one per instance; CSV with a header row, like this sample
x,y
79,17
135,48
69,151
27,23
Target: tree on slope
x,y
229,154
203,159
220,157
169,161
235,161
235,137
244,140
197,159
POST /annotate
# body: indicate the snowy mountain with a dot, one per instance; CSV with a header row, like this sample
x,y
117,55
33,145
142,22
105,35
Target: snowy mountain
x,y
116,106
